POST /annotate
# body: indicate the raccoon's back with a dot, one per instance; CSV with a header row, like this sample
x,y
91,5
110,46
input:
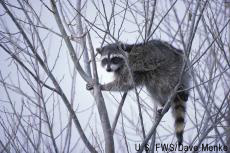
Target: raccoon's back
x,y
155,55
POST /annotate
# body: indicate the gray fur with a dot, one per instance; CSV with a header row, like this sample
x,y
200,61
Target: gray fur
x,y
155,64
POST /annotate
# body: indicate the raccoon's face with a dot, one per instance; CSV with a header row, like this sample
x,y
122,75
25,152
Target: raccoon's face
x,y
112,62
111,58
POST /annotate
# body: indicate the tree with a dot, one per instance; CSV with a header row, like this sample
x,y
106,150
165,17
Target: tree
x,y
48,56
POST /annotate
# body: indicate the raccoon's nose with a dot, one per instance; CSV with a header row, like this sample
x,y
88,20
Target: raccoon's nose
x,y
108,69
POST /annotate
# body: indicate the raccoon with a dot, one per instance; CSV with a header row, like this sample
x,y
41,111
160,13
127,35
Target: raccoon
x,y
155,64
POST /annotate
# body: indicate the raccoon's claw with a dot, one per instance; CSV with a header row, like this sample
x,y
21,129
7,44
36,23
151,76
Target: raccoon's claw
x,y
89,86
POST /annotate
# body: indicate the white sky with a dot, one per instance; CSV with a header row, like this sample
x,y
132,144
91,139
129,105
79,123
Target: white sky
x,y
83,99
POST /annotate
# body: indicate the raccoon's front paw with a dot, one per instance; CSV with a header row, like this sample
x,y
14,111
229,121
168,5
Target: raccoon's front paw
x,y
89,86
159,110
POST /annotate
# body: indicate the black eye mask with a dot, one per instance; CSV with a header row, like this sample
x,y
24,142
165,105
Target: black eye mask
x,y
104,61
116,60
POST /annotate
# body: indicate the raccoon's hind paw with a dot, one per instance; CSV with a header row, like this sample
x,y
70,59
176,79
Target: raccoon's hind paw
x,y
89,86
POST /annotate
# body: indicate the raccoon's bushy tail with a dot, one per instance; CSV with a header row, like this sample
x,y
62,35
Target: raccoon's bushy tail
x,y
178,110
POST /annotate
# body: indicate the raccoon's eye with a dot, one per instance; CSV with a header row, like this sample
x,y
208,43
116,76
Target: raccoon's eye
x,y
116,60
104,61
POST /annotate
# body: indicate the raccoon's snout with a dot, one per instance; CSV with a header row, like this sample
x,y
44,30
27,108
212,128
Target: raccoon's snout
x,y
108,69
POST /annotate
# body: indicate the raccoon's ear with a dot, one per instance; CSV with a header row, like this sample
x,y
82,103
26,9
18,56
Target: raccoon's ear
x,y
126,47
98,50
123,46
